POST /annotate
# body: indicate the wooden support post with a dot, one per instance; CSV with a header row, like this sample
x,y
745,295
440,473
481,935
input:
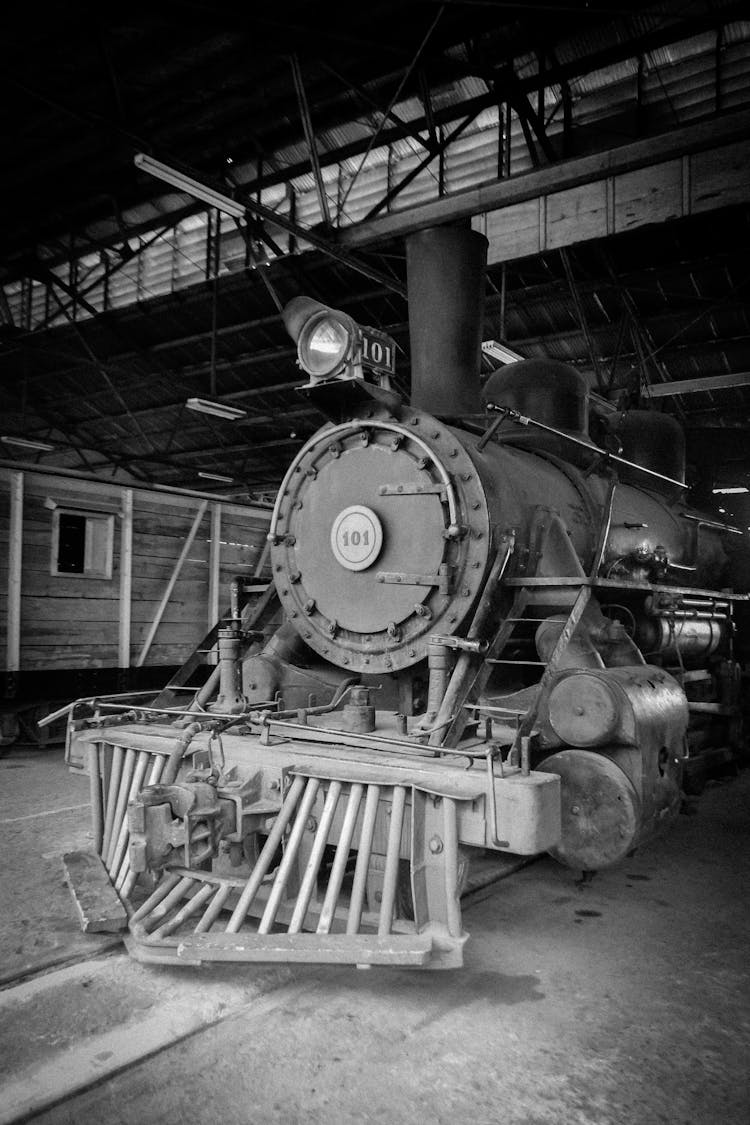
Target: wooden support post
x,y
171,584
15,570
126,579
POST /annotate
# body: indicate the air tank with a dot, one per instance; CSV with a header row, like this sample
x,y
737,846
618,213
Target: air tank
x,y
655,441
549,392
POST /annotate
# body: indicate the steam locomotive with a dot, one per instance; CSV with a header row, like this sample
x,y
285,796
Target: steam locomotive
x,y
487,632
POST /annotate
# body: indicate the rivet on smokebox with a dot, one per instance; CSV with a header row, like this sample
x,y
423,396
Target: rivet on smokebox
x,y
436,845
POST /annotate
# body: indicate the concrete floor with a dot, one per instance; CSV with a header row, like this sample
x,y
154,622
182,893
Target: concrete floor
x,y
625,1000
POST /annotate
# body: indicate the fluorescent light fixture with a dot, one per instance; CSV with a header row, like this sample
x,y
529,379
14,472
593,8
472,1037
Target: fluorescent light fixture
x,y
217,409
730,491
28,443
500,352
218,477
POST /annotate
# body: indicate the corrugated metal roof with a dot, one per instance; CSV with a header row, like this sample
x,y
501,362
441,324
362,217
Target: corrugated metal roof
x,y
678,84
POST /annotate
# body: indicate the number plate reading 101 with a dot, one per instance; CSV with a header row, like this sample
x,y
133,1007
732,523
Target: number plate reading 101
x,y
378,350
356,537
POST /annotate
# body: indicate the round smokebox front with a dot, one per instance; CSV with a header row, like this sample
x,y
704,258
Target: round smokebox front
x,y
371,552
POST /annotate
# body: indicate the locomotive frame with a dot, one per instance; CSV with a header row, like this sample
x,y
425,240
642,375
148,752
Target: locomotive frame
x,y
525,658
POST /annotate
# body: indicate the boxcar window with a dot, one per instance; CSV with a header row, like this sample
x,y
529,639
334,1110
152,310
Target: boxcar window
x,y
82,543
71,544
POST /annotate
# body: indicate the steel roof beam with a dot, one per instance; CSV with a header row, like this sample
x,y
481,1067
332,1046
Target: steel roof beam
x,y
695,137
309,132
699,385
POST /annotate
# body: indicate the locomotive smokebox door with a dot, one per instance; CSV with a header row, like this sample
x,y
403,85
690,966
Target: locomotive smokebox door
x,y
381,537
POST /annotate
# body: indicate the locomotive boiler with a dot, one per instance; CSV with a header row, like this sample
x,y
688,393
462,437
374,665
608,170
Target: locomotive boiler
x,y
495,624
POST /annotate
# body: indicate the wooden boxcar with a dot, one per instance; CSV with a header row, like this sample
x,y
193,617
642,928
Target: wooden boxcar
x,y
108,587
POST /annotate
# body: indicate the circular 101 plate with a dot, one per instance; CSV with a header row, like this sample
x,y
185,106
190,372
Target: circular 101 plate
x,y
356,537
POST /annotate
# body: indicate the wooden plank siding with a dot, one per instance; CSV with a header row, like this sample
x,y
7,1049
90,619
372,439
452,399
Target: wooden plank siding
x,y
73,621
607,204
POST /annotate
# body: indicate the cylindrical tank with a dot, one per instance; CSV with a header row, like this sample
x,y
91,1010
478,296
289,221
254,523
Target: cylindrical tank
x,y
678,636
546,390
655,441
445,271
385,527
620,763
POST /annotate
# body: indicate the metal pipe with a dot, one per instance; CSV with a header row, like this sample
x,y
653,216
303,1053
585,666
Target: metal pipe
x,y
178,753
321,709
214,909
364,851
95,789
178,891
324,734
266,856
190,907
338,870
290,856
705,603
310,877
689,615
154,899
522,420
702,522
392,856
94,700
439,664
118,754
602,544
122,799
119,854
450,864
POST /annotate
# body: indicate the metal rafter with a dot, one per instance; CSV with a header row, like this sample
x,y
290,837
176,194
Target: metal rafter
x,y
198,187
373,105
53,280
582,318
420,167
307,126
394,98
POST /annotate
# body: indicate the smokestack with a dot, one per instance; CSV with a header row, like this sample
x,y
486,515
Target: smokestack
x,y
445,279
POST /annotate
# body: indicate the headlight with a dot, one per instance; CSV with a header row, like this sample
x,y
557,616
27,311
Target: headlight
x,y
330,345
325,344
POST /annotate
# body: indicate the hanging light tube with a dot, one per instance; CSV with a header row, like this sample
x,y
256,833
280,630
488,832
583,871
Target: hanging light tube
x,y
216,476
217,409
28,443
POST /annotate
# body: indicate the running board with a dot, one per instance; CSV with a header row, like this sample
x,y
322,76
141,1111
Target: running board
x,y
351,873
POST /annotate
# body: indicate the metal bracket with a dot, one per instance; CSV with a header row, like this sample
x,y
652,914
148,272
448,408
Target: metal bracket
x,y
402,579
461,643
411,488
